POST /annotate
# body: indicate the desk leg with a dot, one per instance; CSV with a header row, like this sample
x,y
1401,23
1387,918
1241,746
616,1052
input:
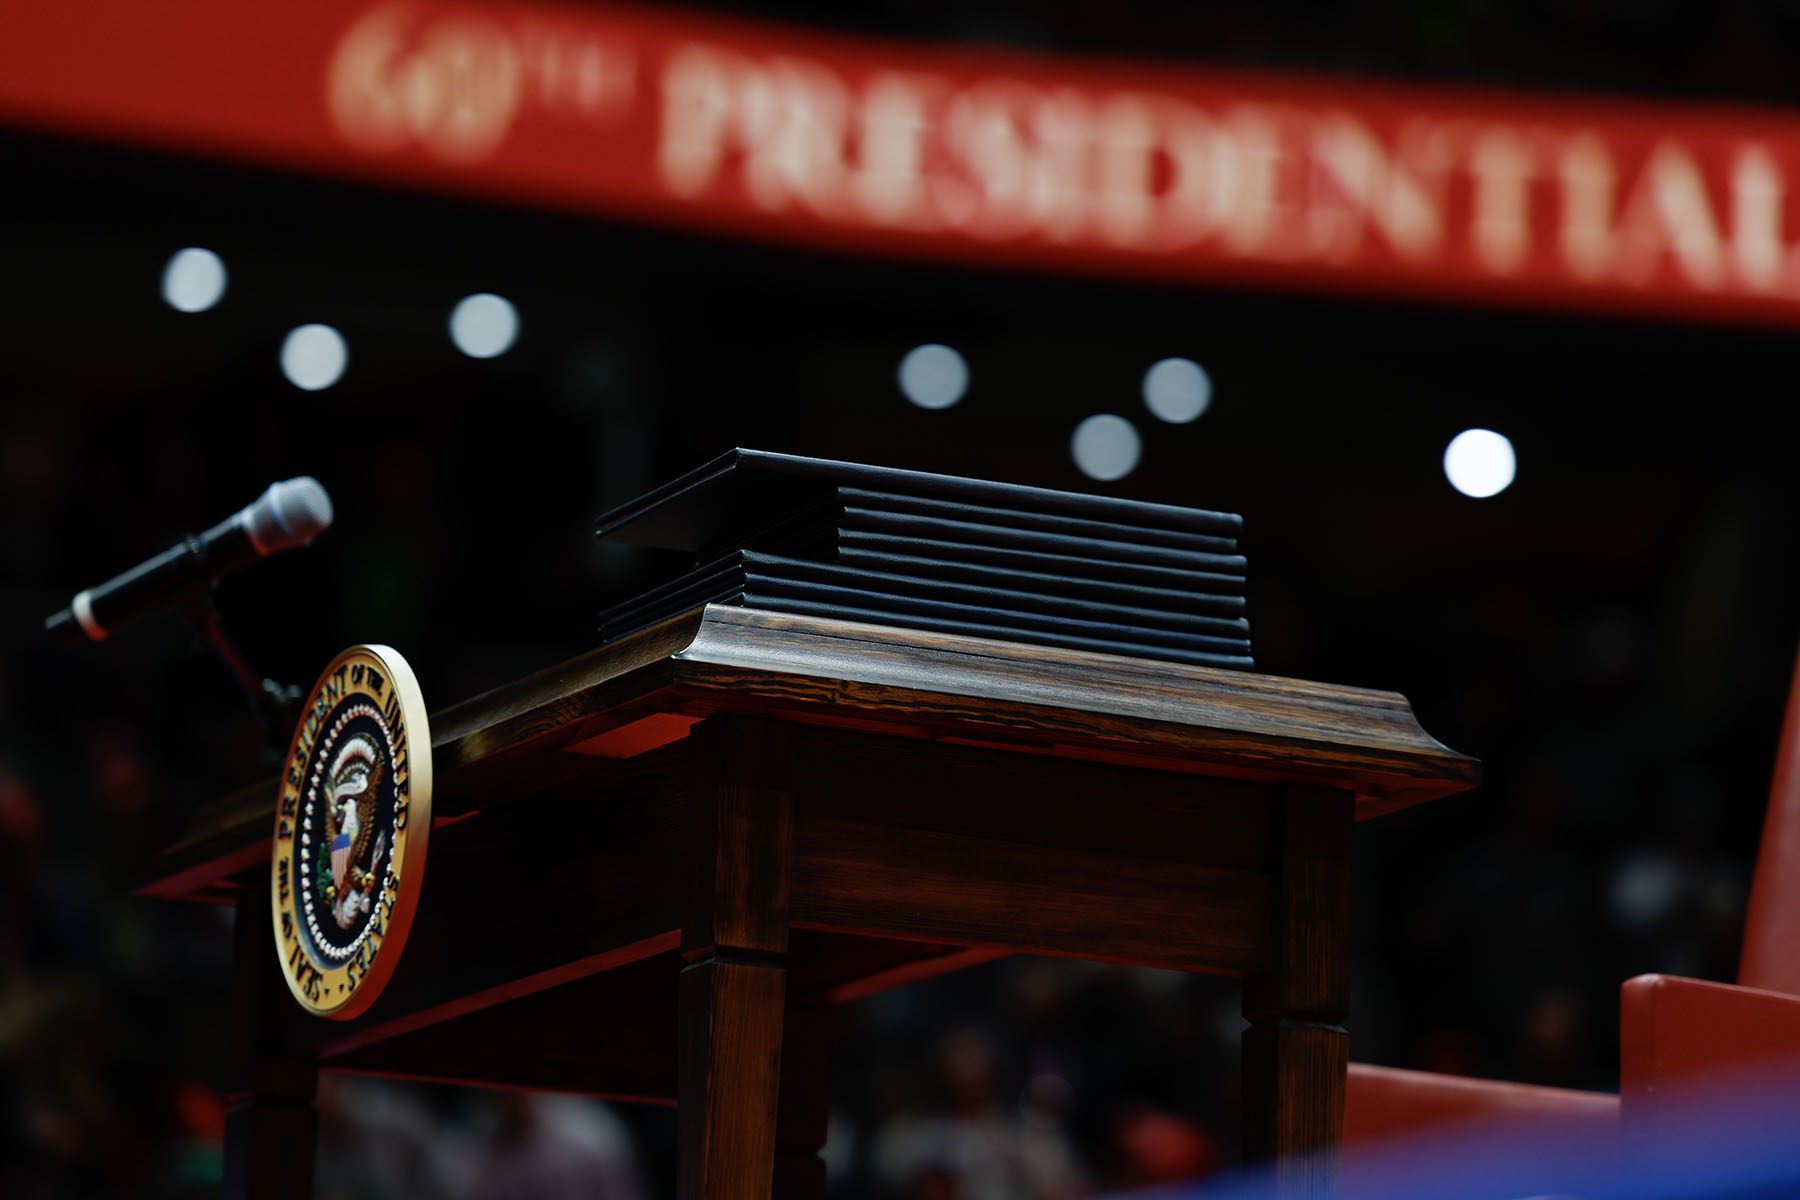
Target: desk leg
x,y
735,937
1296,1051
729,1080
270,1126
805,1098
270,1135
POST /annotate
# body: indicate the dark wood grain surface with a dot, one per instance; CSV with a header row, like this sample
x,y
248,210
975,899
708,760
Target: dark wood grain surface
x,y
735,938
553,727
1296,1052
270,1121
609,1034
1029,853
586,878
804,1108
612,1033
706,833
729,1079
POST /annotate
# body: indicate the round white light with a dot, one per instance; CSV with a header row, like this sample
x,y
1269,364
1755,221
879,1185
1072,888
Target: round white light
x,y
933,376
1480,463
1106,447
194,280
1177,390
314,357
484,325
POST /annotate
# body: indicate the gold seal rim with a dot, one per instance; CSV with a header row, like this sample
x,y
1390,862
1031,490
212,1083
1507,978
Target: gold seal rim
x,y
418,835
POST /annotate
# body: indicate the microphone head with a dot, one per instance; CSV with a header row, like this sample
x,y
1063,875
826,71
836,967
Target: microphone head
x,y
291,513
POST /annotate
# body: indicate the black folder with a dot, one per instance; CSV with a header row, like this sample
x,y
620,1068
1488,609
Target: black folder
x,y
708,506
788,585
939,553
921,566
1024,518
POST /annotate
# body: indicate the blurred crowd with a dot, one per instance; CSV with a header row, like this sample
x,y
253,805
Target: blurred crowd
x,y
1024,1079
1627,738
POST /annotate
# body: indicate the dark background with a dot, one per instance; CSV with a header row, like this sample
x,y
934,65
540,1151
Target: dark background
x,y
1612,636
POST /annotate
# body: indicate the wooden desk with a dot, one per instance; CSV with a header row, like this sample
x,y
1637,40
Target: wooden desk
x,y
655,865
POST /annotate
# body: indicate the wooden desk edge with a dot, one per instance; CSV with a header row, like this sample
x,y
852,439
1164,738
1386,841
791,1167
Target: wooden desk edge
x,y
975,690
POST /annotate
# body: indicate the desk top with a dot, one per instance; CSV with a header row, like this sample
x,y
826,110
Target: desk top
x,y
646,690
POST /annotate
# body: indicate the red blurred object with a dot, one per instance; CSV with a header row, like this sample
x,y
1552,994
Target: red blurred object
x,y
1160,1147
21,816
199,1111
975,157
1677,1037
1771,957
1387,1102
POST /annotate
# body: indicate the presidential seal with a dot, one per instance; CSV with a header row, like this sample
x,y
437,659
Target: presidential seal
x,y
351,828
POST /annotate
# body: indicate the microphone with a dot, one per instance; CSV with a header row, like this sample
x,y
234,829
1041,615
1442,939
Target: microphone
x,y
291,513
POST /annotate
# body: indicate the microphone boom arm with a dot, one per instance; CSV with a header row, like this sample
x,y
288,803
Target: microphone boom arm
x,y
276,704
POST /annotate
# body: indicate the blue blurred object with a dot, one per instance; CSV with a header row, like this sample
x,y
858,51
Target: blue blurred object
x,y
1739,1139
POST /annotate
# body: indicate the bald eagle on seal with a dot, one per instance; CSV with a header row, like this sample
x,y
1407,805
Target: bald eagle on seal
x,y
352,791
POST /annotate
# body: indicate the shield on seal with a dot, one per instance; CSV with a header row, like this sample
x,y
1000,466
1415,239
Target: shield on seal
x,y
340,860
350,780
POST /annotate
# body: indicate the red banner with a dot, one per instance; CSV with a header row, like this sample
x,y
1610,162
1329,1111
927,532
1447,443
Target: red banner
x,y
973,157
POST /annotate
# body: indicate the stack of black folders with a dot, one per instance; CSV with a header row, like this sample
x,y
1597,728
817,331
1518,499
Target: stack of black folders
x,y
942,554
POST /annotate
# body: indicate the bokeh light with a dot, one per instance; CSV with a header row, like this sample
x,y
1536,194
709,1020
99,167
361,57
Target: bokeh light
x,y
1106,447
194,280
314,357
1480,463
484,325
1177,390
933,376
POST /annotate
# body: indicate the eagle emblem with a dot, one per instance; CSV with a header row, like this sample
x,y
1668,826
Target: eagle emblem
x,y
352,788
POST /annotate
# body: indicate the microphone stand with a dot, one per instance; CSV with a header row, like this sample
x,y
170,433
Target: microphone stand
x,y
276,705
